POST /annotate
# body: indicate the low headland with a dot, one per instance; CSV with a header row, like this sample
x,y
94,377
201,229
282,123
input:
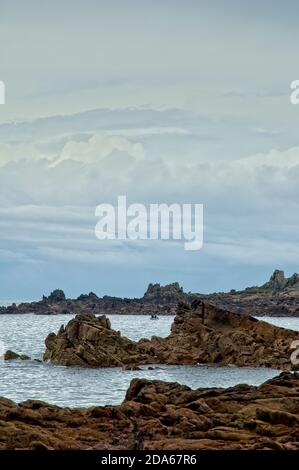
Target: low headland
x,y
277,297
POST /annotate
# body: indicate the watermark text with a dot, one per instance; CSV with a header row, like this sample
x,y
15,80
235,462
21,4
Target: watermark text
x,y
152,222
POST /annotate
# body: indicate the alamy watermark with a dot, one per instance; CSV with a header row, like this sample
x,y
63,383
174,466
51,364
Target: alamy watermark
x,y
2,351
2,92
295,354
151,222
294,96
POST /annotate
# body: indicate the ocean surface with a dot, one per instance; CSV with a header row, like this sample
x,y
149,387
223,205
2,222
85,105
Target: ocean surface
x,y
76,387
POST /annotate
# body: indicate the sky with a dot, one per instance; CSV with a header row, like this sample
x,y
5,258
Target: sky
x,y
164,102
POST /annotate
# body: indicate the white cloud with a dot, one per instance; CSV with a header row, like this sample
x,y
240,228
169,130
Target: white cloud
x,y
52,206
99,147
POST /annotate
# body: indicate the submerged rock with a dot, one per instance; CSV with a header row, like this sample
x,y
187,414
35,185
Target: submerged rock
x,y
200,333
157,415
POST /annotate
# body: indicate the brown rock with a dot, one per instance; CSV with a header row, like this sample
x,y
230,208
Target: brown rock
x,y
166,416
11,355
89,341
203,333
200,333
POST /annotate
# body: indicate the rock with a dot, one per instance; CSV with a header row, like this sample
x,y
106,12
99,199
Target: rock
x,y
90,296
157,415
11,355
277,297
56,296
277,281
201,333
158,300
89,341
170,293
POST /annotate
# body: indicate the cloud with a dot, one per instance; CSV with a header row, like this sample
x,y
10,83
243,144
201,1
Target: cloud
x,y
50,201
99,147
50,188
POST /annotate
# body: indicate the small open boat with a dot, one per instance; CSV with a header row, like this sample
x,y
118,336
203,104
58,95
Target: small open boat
x,y
154,317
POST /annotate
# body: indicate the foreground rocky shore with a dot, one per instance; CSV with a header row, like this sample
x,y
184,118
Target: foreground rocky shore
x,y
201,333
159,415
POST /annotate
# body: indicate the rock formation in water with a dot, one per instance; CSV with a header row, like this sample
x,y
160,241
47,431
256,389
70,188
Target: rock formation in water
x,y
12,356
166,416
200,334
89,341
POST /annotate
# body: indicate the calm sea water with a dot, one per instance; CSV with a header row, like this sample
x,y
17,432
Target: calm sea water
x,y
21,380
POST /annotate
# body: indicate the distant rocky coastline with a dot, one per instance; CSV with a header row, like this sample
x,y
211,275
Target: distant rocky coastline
x,y
277,297
200,334
157,300
166,416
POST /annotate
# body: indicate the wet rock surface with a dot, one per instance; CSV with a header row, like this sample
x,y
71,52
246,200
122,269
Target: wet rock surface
x,y
167,416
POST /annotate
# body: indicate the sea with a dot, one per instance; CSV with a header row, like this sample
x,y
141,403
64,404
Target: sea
x,y
79,387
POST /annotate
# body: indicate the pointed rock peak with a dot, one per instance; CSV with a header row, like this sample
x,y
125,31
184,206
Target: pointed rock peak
x,y
277,280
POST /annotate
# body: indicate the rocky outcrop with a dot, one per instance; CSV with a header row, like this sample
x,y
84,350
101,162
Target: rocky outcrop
x,y
277,281
203,333
56,296
89,341
12,356
166,416
277,297
163,295
200,333
158,299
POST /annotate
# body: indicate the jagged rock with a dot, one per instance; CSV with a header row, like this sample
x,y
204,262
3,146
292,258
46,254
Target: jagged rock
x,y
158,415
56,296
171,293
292,281
203,333
11,355
277,297
200,333
158,299
277,281
90,296
89,341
